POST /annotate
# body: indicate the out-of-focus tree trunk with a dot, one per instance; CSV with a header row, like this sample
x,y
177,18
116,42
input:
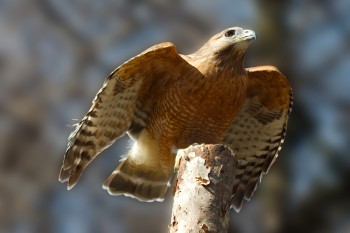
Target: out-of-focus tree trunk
x,y
203,189
272,48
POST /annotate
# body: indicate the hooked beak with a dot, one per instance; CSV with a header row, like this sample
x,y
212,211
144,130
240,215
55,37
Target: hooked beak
x,y
247,35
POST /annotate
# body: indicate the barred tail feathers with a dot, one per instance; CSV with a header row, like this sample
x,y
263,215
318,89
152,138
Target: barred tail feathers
x,y
141,174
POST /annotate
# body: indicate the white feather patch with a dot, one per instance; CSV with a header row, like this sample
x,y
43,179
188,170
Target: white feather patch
x,y
145,150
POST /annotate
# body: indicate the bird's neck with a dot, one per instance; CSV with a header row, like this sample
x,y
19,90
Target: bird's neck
x,y
229,61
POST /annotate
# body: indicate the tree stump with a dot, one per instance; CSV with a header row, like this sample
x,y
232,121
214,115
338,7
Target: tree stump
x,y
203,189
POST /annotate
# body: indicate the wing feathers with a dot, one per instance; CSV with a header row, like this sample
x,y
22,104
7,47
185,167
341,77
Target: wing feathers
x,y
259,129
113,109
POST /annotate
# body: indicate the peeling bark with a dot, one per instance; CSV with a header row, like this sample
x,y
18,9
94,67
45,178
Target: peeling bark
x,y
203,189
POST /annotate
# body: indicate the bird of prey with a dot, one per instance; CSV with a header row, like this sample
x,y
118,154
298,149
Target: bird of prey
x,y
167,101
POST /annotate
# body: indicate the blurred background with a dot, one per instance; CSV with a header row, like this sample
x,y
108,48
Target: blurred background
x,y
55,55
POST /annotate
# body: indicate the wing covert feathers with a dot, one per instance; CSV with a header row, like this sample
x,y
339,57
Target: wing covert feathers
x,y
114,106
259,130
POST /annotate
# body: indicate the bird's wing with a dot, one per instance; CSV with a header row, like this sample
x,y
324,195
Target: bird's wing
x,y
259,130
114,107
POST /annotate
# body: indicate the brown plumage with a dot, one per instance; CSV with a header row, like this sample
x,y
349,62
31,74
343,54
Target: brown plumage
x,y
167,101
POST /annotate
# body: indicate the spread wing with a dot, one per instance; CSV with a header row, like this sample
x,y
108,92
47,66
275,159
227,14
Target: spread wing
x,y
116,107
258,131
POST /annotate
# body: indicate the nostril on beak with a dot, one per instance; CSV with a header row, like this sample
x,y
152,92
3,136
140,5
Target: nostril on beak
x,y
250,33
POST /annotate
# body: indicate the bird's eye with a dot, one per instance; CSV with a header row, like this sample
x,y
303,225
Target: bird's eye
x,y
230,33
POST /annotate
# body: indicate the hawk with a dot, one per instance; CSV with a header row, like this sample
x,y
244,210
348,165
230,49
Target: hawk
x,y
167,101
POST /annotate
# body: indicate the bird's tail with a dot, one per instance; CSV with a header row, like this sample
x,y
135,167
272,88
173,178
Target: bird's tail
x,y
145,182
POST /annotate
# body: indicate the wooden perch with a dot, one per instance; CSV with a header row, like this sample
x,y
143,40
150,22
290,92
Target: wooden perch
x,y
203,189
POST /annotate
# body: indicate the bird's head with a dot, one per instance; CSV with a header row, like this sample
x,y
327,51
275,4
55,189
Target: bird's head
x,y
227,46
235,38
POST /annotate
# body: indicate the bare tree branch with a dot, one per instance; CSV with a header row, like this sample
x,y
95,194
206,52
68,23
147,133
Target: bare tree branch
x,y
203,189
